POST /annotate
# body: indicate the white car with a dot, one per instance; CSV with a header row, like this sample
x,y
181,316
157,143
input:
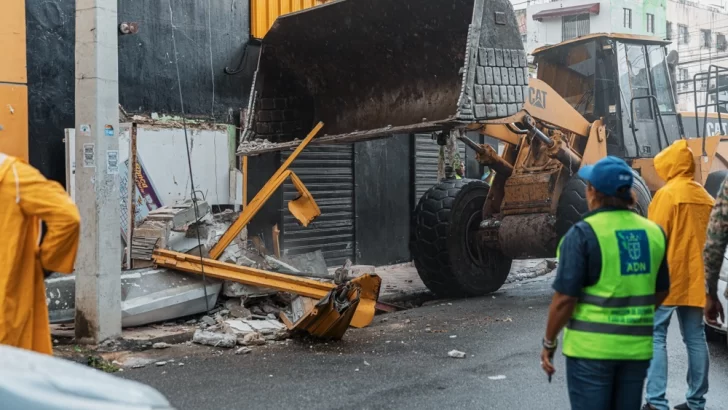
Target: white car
x,y
33,381
722,330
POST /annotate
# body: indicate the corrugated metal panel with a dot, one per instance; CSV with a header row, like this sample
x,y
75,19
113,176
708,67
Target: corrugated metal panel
x,y
426,154
327,172
264,12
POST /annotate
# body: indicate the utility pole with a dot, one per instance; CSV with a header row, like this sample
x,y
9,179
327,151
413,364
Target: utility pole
x,y
98,267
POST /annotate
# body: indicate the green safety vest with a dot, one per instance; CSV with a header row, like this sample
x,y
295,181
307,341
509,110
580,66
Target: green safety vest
x,y
613,318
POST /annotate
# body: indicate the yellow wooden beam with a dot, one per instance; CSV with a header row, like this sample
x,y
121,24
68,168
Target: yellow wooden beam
x,y
261,197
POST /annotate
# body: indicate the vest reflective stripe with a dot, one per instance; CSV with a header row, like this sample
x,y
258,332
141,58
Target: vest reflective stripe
x,y
613,319
609,328
617,302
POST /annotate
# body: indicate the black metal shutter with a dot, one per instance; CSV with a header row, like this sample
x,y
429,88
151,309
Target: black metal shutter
x,y
327,172
427,153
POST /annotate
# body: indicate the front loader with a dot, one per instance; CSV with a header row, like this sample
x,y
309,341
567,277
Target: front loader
x,y
370,69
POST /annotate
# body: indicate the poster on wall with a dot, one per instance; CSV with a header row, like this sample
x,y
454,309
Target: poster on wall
x,y
145,195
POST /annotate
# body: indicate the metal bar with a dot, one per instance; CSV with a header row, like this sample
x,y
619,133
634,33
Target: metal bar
x,y
242,274
261,197
245,181
368,285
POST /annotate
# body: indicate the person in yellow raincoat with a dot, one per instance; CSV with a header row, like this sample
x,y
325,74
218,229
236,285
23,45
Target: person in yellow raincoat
x,y
682,208
26,199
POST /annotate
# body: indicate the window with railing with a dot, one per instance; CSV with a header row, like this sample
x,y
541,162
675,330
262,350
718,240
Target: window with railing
x,y
574,26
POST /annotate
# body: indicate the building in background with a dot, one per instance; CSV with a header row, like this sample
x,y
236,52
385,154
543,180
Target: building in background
x,y
698,34
554,22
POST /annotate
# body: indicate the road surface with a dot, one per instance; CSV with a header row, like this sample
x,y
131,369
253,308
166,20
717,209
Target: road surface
x,y
401,362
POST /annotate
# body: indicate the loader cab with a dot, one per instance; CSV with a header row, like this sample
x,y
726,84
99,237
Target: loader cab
x,y
621,78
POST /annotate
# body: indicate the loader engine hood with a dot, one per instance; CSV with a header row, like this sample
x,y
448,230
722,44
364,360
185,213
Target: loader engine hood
x,y
370,68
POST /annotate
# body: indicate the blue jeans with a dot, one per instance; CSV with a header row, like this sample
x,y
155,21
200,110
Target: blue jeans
x,y
605,384
693,333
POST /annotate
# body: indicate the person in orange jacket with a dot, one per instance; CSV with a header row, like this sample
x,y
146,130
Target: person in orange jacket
x,y
682,208
26,199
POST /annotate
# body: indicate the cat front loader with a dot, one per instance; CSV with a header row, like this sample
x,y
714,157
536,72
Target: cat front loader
x,y
371,69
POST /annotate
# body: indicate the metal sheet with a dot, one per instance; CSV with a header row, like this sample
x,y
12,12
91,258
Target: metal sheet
x,y
327,172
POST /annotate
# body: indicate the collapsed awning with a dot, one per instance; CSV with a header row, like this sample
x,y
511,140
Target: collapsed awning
x,y
592,8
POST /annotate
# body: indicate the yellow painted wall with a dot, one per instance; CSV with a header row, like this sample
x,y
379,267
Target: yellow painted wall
x,y
12,42
13,79
264,12
14,120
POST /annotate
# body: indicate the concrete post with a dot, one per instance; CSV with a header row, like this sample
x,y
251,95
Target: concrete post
x,y
98,267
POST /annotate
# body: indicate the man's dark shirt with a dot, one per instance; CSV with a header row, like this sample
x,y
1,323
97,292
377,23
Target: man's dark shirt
x,y
580,260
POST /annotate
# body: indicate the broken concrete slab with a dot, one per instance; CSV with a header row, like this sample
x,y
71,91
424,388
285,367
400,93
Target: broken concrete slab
x,y
312,262
180,215
243,327
148,296
236,309
215,339
252,339
238,290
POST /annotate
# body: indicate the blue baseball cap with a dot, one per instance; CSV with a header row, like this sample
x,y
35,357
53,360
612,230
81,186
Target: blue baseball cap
x,y
610,176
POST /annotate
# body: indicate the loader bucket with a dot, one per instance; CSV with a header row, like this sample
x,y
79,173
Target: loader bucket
x,y
370,68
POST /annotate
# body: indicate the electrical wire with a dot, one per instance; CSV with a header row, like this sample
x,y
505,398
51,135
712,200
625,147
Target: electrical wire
x,y
189,158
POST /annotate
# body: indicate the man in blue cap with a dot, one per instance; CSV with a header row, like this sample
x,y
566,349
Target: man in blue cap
x,y
612,274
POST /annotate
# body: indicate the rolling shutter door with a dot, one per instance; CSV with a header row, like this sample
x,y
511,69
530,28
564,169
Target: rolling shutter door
x,y
327,172
426,154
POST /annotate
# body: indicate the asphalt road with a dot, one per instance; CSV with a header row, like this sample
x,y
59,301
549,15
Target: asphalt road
x,y
398,364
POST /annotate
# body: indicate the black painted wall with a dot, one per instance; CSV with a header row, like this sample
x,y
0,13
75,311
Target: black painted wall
x,y
210,35
383,181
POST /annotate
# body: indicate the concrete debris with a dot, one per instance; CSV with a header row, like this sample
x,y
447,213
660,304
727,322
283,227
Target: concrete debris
x,y
265,327
238,290
311,262
236,309
453,336
161,345
253,145
148,296
252,339
180,364
456,354
243,350
208,320
159,364
498,377
180,215
366,363
215,339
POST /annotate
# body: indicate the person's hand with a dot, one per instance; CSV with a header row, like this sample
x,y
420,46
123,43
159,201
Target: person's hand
x,y
714,310
547,356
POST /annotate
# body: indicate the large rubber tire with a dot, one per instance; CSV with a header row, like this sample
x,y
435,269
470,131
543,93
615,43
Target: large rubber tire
x,y
478,270
714,182
572,203
429,234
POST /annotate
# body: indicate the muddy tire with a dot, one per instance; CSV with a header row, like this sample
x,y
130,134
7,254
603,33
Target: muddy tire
x,y
572,205
429,235
572,202
477,269
714,182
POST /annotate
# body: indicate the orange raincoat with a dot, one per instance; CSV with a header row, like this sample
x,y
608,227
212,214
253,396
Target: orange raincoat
x,y
682,208
26,198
